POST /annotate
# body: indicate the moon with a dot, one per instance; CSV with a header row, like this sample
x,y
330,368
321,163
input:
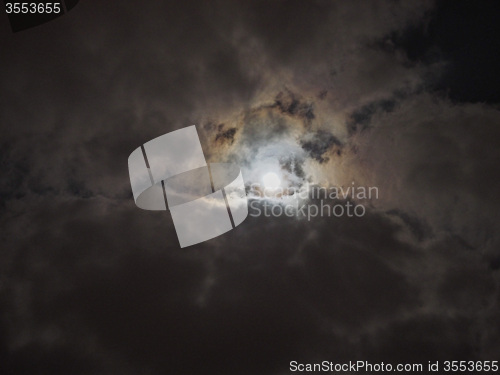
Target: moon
x,y
271,180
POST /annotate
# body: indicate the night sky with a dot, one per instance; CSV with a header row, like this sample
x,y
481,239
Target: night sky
x,y
399,95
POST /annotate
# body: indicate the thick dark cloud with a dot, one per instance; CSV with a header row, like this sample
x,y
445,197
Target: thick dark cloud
x,y
162,309
328,93
469,45
289,104
225,135
319,143
361,117
274,290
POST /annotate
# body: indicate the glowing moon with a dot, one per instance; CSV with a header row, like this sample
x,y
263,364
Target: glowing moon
x,y
271,180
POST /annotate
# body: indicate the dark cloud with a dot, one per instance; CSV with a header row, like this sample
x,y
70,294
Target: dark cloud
x,y
317,144
137,300
293,165
469,45
161,309
225,135
361,117
419,229
289,104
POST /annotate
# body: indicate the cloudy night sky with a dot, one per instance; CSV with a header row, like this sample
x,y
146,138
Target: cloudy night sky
x,y
399,95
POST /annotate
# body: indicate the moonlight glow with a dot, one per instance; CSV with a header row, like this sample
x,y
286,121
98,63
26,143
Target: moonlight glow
x,y
271,180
